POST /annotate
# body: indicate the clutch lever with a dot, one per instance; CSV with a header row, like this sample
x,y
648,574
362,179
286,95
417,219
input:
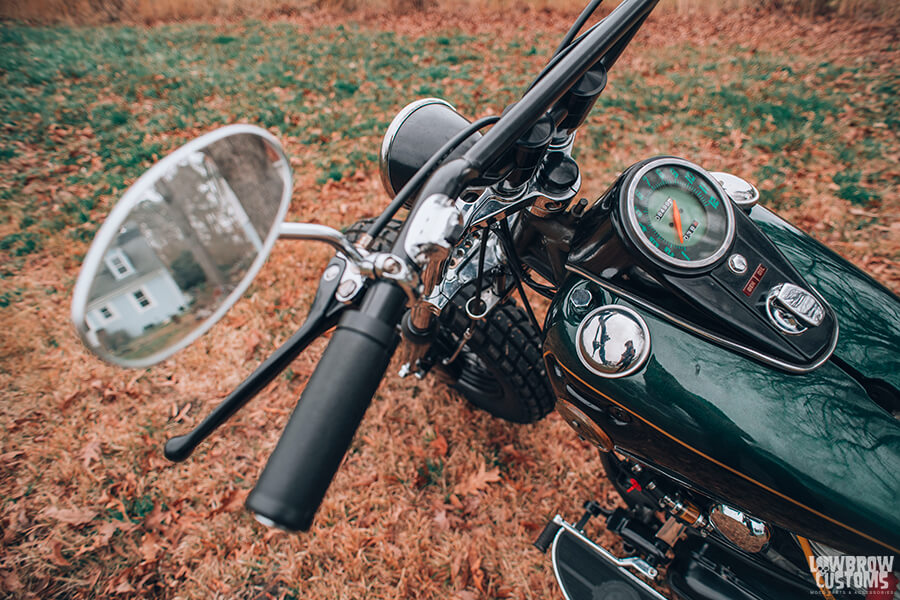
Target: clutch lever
x,y
323,315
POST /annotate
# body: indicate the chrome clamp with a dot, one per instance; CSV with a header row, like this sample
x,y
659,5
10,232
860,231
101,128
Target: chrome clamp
x,y
360,263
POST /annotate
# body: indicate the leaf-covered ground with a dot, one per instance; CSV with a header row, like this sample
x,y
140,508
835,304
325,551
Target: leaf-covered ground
x,y
435,499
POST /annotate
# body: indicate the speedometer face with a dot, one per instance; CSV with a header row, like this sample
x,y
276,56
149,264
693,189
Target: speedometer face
x,y
679,213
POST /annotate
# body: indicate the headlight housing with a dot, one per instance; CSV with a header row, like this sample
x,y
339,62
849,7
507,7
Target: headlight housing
x,y
416,133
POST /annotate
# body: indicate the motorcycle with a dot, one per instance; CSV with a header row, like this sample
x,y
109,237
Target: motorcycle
x,y
739,378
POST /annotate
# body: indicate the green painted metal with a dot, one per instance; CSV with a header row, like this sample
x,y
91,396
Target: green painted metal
x,y
869,314
823,457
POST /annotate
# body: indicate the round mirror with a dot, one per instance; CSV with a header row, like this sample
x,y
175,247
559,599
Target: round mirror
x,y
182,245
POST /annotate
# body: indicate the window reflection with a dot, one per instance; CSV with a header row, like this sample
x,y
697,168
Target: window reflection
x,y
185,247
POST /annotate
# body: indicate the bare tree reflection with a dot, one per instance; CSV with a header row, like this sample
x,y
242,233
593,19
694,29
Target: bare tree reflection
x,y
186,246
818,438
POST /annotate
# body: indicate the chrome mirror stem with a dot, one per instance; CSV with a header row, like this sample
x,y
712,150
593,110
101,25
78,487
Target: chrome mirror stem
x,y
320,233
362,263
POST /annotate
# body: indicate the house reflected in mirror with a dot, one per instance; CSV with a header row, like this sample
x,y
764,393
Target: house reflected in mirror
x,y
188,243
134,294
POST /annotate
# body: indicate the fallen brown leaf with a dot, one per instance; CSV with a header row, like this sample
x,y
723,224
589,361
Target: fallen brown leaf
x,y
72,516
149,547
90,453
10,581
439,445
56,556
9,457
440,519
252,342
478,481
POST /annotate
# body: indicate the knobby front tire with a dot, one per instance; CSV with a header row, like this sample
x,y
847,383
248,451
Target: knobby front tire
x,y
500,369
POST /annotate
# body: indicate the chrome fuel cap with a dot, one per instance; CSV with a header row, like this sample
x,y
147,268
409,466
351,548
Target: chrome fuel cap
x,y
793,309
743,193
613,341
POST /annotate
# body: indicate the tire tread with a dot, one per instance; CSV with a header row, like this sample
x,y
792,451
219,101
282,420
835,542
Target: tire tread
x,y
506,337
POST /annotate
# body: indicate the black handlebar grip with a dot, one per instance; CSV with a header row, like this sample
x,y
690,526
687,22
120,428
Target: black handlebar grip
x,y
320,430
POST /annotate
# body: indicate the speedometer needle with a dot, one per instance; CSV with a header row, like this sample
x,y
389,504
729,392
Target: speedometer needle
x,y
677,216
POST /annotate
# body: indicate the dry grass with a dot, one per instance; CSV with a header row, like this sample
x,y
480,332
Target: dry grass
x,y
88,506
151,11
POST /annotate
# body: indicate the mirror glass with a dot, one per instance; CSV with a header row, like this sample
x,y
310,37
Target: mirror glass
x,y
182,245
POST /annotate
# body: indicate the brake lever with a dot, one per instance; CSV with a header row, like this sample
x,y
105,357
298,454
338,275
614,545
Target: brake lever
x,y
323,315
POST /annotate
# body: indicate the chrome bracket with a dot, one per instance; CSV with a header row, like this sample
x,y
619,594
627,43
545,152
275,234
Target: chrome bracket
x,y
360,263
462,268
632,562
493,206
351,283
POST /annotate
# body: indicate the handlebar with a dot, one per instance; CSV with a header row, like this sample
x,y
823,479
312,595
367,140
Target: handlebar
x,y
605,42
293,483
602,44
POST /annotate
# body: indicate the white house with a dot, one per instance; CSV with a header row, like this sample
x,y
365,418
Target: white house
x,y
134,291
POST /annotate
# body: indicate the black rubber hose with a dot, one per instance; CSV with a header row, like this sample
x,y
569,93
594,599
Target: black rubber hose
x,y
512,259
559,55
318,434
577,25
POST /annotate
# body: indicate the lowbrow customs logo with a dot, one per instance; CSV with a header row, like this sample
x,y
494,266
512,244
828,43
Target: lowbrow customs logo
x,y
847,574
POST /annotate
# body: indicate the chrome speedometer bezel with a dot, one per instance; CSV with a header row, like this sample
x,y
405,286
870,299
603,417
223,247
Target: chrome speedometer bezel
x,y
656,253
391,134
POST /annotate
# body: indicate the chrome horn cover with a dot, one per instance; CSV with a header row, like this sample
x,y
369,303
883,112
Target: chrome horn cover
x,y
613,341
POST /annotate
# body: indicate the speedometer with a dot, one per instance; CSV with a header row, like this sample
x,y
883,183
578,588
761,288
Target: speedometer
x,y
678,212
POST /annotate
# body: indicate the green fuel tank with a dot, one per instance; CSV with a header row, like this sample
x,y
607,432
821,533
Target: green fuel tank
x,y
816,453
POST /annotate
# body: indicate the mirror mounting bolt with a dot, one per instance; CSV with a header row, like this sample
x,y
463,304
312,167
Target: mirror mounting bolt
x,y
391,266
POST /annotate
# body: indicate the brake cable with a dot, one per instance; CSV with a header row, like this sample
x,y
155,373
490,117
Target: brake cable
x,y
547,291
518,273
527,304
568,42
479,278
476,297
577,25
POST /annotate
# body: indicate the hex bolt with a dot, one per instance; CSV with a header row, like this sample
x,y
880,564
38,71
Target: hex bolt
x,y
391,266
580,299
737,263
331,272
346,289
